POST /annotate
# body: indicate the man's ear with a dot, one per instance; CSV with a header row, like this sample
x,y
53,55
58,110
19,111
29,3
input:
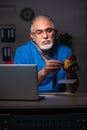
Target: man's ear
x,y
31,36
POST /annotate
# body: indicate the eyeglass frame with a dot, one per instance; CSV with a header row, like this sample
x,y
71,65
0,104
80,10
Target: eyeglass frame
x,y
47,30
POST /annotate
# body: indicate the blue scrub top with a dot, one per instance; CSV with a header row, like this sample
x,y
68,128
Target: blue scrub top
x,y
29,54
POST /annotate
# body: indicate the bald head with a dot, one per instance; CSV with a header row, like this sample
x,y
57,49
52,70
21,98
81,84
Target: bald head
x,y
41,19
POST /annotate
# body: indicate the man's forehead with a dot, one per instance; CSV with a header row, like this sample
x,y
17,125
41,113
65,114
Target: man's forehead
x,y
42,23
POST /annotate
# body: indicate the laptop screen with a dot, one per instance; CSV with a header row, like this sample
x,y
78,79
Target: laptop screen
x,y
18,82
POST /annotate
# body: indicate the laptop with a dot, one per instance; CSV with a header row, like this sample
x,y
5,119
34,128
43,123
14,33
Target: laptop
x,y
19,82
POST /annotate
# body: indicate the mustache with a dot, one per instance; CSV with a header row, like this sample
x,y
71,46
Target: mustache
x,y
45,40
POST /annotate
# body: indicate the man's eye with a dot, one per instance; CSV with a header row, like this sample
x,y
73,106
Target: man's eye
x,y
49,30
38,32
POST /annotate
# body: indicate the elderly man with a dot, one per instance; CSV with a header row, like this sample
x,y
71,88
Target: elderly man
x,y
48,56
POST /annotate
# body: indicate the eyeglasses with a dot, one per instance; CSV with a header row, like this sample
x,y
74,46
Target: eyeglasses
x,y
47,30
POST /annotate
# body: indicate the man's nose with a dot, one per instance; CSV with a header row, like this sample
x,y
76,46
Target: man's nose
x,y
45,35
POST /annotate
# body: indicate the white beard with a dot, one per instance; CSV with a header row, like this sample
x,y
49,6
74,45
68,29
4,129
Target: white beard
x,y
46,47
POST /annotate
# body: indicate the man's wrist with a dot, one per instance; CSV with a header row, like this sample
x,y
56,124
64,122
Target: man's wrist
x,y
71,75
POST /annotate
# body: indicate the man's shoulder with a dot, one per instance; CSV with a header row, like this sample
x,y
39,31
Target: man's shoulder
x,y
61,47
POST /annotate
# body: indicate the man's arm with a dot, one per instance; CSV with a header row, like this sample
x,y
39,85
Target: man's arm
x,y
41,75
71,66
50,67
72,87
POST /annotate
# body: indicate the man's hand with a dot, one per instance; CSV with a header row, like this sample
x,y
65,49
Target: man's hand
x,y
52,66
71,64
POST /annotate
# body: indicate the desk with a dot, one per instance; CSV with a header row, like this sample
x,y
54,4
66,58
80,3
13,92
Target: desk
x,y
55,111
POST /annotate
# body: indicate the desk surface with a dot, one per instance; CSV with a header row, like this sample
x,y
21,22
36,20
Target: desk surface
x,y
50,100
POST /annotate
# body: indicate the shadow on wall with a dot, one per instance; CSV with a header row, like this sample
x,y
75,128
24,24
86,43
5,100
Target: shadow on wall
x,y
64,38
